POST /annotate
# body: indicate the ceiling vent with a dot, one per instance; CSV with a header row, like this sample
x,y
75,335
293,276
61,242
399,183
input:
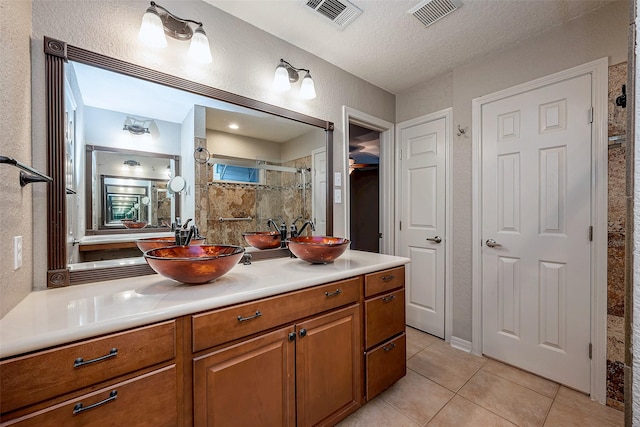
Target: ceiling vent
x,y
340,12
430,11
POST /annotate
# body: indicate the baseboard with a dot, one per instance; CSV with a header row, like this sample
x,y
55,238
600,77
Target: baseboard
x,y
461,344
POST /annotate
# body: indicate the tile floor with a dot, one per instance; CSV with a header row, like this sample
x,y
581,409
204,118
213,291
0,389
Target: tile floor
x,y
449,387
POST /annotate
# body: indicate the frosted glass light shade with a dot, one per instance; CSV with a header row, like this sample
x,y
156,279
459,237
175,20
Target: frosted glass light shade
x,y
151,30
199,49
307,88
281,79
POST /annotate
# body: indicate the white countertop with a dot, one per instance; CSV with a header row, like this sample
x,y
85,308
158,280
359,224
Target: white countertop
x,y
57,316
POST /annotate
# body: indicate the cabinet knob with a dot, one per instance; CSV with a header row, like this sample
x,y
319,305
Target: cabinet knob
x,y
303,333
292,336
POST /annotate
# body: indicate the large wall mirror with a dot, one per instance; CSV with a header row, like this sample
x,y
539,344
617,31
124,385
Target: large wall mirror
x,y
133,150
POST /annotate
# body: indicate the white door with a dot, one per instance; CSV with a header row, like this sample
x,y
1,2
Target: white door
x,y
319,190
536,186
422,234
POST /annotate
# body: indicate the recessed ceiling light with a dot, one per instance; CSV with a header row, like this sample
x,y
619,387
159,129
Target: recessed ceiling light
x,y
234,126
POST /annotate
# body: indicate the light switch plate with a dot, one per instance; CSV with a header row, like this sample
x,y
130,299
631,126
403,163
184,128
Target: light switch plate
x,y
337,180
337,196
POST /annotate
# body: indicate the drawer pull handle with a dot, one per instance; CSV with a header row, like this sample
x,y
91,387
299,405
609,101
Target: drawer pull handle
x,y
80,408
388,278
244,319
388,298
389,347
333,294
81,362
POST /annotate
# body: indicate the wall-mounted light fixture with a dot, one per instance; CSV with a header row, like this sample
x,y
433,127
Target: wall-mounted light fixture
x,y
155,24
287,74
131,164
135,126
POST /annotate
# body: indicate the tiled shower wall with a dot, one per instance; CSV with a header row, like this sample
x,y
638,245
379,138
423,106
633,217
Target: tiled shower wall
x,y
616,240
281,197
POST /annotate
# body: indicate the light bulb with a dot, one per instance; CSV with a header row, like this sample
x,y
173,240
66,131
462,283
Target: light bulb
x,y
199,49
152,30
307,88
281,79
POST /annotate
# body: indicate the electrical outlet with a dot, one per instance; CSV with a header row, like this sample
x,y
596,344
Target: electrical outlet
x,y
17,252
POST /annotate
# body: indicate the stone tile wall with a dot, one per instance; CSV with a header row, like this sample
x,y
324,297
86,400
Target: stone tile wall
x,y
616,241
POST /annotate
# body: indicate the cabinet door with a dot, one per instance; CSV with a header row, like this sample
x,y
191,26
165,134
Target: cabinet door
x,y
328,367
248,384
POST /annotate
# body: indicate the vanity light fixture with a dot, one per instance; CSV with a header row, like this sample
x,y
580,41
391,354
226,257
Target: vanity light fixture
x,y
287,74
135,126
158,23
131,163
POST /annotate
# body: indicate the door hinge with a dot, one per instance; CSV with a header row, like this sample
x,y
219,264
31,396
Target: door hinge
x,y
591,233
400,154
591,115
400,225
590,350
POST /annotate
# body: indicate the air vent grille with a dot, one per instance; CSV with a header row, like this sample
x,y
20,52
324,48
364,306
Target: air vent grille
x,y
340,12
430,11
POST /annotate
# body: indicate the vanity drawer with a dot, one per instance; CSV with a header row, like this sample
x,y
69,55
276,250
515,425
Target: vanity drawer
x,y
40,376
385,365
227,324
147,400
383,281
384,317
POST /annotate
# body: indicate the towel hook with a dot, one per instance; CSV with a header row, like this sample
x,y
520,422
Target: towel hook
x,y
461,131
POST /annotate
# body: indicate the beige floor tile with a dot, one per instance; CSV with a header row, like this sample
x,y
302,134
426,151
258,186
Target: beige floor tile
x,y
565,416
460,412
418,341
446,365
377,413
509,400
577,400
417,397
526,379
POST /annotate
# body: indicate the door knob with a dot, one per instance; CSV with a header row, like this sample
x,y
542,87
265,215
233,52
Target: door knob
x,y
436,239
492,243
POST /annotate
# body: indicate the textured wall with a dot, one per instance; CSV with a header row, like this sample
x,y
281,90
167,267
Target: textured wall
x,y
596,35
244,59
15,131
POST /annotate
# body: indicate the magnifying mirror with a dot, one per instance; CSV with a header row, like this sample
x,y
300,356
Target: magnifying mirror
x,y
176,184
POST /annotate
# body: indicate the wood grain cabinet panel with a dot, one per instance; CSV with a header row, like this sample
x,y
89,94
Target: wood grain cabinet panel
x,y
228,324
384,317
248,384
383,281
146,400
40,376
384,325
328,367
385,365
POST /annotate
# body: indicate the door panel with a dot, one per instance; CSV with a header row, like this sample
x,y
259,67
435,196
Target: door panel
x,y
422,234
536,189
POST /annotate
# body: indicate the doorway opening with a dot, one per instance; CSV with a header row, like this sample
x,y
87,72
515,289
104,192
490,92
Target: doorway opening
x,y
364,184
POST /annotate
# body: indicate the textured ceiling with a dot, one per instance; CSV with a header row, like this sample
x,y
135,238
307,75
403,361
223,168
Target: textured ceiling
x,y
391,49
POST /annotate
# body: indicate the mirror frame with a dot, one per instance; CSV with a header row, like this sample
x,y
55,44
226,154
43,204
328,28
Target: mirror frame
x,y
88,185
58,52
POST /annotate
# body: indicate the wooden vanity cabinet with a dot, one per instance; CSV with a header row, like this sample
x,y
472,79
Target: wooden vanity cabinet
x,y
384,326
306,373
94,381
